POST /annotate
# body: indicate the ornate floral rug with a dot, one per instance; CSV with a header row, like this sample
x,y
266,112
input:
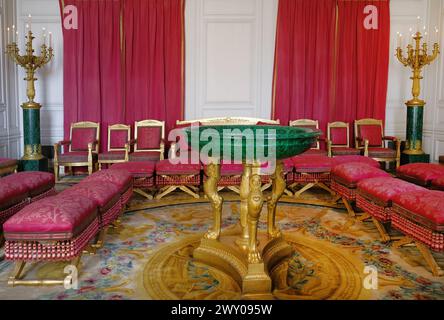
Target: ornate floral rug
x,y
150,257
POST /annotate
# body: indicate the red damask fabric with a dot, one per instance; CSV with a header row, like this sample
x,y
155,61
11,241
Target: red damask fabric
x,y
104,195
385,188
36,182
312,163
423,172
120,178
352,173
353,158
165,167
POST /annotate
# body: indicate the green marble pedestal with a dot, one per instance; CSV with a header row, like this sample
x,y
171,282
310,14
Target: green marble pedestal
x,y
413,152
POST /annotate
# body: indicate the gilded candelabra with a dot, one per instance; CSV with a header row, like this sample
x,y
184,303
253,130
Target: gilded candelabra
x,y
417,57
33,158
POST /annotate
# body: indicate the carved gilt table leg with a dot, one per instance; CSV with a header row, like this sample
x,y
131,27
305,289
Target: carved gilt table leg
x,y
244,192
255,203
211,191
279,186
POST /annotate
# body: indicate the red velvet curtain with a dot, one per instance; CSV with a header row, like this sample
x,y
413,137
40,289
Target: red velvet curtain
x,y
304,59
328,66
362,62
92,66
154,60
124,63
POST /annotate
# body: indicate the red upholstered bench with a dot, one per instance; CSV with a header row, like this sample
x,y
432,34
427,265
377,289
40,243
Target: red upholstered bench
x,y
119,178
171,176
374,196
310,171
438,184
420,173
345,179
420,216
7,166
354,158
142,174
18,190
56,228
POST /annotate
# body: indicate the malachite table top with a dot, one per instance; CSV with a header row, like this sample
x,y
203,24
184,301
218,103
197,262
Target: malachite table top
x,y
254,142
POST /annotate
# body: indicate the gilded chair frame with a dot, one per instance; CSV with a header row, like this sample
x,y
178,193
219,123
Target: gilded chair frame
x,y
92,148
117,127
147,124
376,122
337,125
307,123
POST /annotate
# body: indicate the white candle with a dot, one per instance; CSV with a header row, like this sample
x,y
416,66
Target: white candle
x,y
418,23
436,35
13,34
400,40
8,36
30,22
50,39
16,36
44,35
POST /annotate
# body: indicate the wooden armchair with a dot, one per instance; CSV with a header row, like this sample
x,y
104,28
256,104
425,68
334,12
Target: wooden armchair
x,y
149,141
338,140
81,150
119,136
370,139
311,124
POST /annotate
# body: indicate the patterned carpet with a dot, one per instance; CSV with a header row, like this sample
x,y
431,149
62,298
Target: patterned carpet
x,y
150,257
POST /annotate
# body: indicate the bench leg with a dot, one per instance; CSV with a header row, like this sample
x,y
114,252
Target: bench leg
x,y
349,208
326,188
425,251
363,217
308,186
143,193
165,191
100,239
190,192
381,229
16,277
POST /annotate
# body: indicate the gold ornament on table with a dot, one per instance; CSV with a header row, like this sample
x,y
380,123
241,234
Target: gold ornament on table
x,y
29,61
417,57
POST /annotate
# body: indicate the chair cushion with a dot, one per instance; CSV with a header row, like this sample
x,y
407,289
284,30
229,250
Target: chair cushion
x,y
360,159
59,217
12,191
149,138
381,153
372,133
424,207
385,188
75,157
81,137
5,163
314,152
350,174
165,167
421,173
338,136
344,151
105,195
144,156
118,139
120,178
312,163
36,182
112,156
145,168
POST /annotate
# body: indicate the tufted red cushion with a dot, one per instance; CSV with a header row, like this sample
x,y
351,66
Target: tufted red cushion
x,y
121,178
344,151
75,157
360,159
385,188
59,217
381,153
165,167
422,173
144,156
149,138
36,182
351,173
4,163
314,163
145,168
372,133
12,191
424,206
118,139
438,184
81,137
338,136
105,195
112,156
